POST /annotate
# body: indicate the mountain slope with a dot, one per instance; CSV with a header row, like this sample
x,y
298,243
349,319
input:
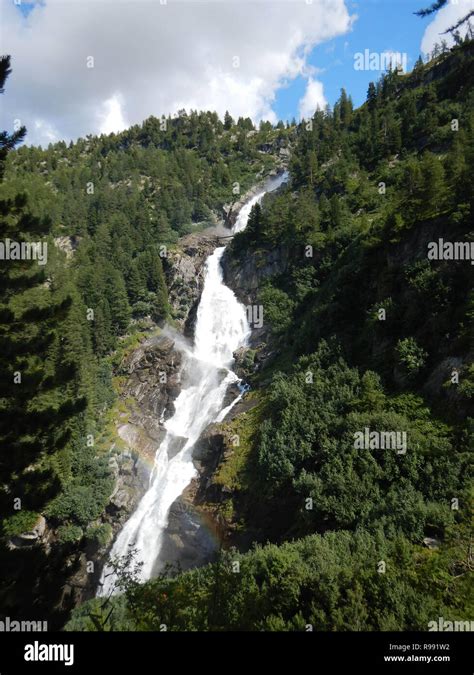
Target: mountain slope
x,y
353,452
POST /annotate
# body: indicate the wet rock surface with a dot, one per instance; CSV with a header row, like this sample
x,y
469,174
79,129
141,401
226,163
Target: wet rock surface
x,y
189,540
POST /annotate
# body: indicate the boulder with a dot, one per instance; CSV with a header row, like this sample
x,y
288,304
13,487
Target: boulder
x,y
210,446
32,537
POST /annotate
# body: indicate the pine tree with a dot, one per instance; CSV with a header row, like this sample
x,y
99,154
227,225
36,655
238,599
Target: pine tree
x,y
346,107
433,184
134,284
255,223
311,167
118,301
372,97
164,231
102,334
413,180
157,284
408,112
228,121
336,212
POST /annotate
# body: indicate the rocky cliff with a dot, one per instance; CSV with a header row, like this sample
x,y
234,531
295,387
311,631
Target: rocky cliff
x,y
185,277
246,273
151,383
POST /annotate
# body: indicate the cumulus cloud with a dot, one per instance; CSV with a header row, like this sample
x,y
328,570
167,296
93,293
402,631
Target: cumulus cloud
x,y
448,16
152,59
112,115
313,98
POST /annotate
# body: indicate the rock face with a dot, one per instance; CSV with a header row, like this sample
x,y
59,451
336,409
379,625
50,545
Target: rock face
x,y
210,496
68,245
131,478
189,539
438,379
213,447
152,383
153,373
185,277
246,273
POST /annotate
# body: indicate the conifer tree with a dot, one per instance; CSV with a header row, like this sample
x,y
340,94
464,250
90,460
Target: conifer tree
x,y
34,410
255,223
228,121
372,96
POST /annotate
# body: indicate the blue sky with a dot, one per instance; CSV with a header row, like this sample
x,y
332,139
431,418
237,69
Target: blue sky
x,y
382,25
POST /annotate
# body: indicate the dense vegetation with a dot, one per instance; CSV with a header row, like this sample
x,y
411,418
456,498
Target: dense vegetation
x,y
367,332
319,582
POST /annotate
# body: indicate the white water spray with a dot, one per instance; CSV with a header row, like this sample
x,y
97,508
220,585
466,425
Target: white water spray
x,y
221,328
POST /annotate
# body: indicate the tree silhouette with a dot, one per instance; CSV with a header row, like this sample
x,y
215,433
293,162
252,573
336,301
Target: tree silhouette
x,y
439,4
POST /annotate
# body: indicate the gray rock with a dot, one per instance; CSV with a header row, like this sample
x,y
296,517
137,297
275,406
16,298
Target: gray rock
x,y
30,538
187,539
185,277
176,444
210,446
122,499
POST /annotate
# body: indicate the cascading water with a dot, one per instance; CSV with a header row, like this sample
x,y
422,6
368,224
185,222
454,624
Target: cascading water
x,y
221,328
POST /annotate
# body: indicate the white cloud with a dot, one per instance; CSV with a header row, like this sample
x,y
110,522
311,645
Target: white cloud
x,y
446,17
159,57
112,116
46,131
312,99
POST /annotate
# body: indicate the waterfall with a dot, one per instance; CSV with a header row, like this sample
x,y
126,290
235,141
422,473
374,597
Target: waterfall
x,y
221,327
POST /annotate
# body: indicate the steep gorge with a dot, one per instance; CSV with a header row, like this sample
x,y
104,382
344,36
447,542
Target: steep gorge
x,y
206,394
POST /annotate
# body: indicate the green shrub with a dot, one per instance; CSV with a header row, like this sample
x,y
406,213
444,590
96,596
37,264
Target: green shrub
x,y
466,386
277,308
22,521
411,356
305,449
79,503
70,534
99,534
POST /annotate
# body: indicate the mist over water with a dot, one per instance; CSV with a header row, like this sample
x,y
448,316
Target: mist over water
x,y
221,327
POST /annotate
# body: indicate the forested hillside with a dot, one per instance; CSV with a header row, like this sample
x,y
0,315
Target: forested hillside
x,y
364,330
110,209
